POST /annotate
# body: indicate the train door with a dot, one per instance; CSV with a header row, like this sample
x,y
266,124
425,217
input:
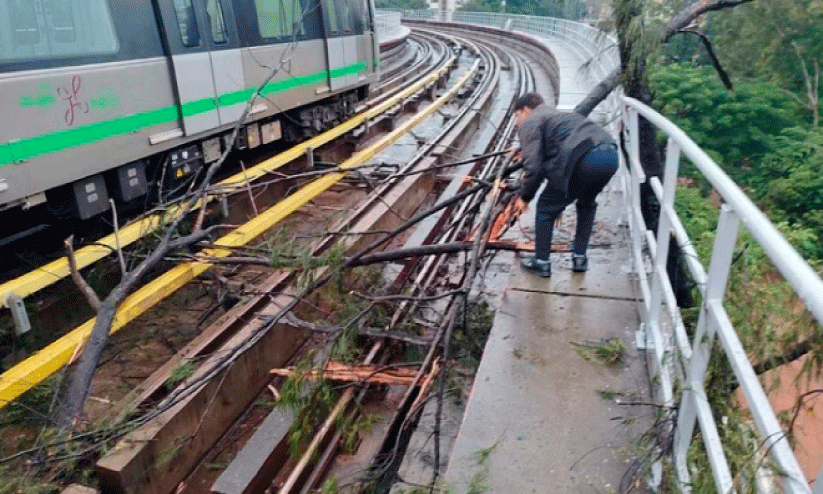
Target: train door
x,y
341,24
208,67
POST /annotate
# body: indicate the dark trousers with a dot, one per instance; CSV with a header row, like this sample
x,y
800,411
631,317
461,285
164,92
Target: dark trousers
x,y
591,174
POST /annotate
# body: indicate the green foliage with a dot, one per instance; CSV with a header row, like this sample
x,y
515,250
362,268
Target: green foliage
x,y
568,9
401,4
480,6
696,212
32,406
755,134
471,332
735,128
758,39
11,482
789,186
183,371
353,427
311,403
330,486
481,456
479,483
608,351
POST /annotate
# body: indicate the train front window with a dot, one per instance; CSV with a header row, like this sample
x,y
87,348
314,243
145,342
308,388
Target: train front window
x,y
38,29
214,8
187,21
280,18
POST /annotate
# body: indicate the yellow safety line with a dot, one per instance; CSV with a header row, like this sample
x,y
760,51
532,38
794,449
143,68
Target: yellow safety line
x,y
41,365
54,271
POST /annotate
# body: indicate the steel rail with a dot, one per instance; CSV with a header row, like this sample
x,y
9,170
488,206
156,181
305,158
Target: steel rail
x,y
422,279
38,367
56,270
430,266
486,86
293,483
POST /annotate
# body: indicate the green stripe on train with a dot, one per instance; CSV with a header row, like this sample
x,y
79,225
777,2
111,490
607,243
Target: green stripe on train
x,y
22,149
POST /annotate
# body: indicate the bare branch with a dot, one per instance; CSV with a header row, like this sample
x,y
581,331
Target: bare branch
x,y
84,287
599,93
707,43
117,238
678,24
695,10
371,332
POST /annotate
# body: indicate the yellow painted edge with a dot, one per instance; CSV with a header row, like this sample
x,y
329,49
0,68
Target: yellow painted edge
x,y
41,365
58,269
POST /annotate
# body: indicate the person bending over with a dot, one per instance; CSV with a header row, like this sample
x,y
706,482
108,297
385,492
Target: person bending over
x,y
576,158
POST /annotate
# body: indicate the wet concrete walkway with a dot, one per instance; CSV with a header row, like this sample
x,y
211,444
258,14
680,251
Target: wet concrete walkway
x,y
545,415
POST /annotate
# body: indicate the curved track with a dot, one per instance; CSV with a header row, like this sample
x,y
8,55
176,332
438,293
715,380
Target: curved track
x,y
472,118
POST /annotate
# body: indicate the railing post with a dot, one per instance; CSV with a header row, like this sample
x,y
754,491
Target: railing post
x,y
719,267
636,176
663,231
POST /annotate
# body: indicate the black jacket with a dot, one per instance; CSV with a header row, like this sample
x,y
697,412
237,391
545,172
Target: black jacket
x,y
552,143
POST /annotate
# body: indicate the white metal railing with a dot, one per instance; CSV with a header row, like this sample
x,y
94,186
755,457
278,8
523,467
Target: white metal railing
x,y
678,358
388,25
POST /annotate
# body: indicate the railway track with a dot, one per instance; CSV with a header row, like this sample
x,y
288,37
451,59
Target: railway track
x,y
178,427
395,92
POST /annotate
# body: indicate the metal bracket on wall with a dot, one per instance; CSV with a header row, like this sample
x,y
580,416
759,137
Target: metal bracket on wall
x,y
22,325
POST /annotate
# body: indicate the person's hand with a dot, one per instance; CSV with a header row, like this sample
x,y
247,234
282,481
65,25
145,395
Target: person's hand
x,y
520,206
515,154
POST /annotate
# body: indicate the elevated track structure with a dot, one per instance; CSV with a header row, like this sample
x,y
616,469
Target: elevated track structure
x,y
573,57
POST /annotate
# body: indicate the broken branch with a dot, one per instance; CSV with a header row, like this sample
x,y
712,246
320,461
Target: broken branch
x,y
85,289
360,373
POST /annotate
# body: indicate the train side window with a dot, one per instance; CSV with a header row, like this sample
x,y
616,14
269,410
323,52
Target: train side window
x,y
344,10
38,29
295,12
280,18
186,20
24,25
60,17
358,12
214,8
332,17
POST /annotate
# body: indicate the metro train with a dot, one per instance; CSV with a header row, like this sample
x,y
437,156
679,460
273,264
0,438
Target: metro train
x,y
116,98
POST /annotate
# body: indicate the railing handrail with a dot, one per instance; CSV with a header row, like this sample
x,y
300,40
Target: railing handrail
x,y
791,265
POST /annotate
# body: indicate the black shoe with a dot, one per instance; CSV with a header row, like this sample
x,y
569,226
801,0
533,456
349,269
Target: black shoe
x,y
580,263
537,266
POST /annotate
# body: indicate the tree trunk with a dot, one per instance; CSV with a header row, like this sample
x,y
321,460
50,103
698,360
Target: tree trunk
x,y
73,399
